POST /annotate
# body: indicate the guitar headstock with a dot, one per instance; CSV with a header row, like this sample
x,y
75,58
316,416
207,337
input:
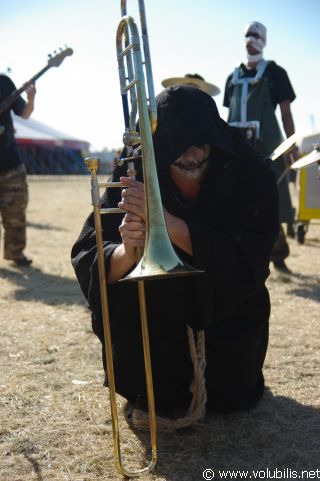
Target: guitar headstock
x,y
58,58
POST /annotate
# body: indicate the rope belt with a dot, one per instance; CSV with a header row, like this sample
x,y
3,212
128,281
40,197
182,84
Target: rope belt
x,y
140,419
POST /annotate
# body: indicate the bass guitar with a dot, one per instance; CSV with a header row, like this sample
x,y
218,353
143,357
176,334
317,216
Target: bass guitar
x,y
53,61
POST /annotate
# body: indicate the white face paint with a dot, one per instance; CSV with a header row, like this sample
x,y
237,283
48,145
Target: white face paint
x,y
255,41
193,163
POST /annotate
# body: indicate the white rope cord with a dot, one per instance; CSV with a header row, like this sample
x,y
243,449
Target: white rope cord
x,y
197,408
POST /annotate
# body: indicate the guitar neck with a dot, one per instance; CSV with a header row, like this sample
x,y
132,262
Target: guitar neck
x,y
52,62
8,101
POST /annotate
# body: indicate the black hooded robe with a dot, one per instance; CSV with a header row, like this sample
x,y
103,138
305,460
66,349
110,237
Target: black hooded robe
x,y
233,225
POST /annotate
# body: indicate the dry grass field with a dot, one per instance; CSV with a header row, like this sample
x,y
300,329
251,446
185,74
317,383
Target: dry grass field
x,y
54,413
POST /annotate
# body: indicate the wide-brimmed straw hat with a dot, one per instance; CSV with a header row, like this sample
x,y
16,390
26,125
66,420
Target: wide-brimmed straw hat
x,y
192,79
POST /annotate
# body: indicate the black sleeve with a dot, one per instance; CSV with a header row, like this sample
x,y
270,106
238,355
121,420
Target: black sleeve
x,y
84,257
7,89
281,88
235,256
227,92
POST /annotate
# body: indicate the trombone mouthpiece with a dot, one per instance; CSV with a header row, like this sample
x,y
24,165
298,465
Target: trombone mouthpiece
x,y
92,164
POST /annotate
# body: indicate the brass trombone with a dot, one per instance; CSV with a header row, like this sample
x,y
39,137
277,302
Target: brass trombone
x,y
159,259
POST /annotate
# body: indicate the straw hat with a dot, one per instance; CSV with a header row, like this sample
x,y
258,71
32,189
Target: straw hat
x,y
192,79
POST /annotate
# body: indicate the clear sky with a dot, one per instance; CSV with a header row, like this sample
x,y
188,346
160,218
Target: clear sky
x,y
82,96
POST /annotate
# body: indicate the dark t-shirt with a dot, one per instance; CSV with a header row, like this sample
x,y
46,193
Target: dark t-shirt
x,y
280,85
9,155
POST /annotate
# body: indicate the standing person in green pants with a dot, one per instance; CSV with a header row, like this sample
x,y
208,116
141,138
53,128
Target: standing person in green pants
x,y
252,93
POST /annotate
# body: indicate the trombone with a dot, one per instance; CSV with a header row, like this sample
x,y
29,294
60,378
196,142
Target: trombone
x,y
159,259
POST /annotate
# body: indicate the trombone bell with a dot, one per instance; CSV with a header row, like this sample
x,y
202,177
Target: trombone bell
x,y
159,259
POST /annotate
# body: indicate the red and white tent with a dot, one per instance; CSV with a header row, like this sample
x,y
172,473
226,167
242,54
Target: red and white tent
x,y
45,150
31,131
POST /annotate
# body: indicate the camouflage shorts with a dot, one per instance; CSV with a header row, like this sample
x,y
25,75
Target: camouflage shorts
x,y
13,203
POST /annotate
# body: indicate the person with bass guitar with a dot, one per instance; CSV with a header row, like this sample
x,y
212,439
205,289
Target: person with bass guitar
x,y
13,182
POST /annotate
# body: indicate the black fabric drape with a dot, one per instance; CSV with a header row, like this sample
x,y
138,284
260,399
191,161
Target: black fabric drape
x,y
233,225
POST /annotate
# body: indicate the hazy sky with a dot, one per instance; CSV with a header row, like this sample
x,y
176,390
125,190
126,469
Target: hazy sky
x,y
82,96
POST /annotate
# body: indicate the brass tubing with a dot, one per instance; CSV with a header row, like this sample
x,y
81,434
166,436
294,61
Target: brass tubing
x,y
148,371
93,165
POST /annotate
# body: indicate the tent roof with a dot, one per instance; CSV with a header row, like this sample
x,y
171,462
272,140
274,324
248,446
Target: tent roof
x,y
31,131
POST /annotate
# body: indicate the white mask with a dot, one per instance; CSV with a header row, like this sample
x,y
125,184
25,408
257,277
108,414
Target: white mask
x,y
257,40
257,43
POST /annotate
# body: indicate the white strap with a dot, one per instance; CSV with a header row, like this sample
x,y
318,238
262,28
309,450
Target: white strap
x,y
245,82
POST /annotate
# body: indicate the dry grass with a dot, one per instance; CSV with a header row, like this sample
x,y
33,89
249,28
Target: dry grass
x,y
54,412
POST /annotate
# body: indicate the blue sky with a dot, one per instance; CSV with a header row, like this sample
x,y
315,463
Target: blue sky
x,y
82,97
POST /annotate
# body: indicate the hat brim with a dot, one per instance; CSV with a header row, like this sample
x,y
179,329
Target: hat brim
x,y
206,87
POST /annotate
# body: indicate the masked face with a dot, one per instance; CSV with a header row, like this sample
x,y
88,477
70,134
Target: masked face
x,y
193,163
255,40
254,44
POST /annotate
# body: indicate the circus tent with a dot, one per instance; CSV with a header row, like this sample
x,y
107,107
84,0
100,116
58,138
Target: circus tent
x,y
46,150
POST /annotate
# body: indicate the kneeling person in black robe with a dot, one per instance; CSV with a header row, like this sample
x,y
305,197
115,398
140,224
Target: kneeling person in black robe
x,y
221,209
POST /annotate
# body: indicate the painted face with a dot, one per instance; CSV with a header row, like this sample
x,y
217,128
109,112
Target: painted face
x,y
193,163
254,43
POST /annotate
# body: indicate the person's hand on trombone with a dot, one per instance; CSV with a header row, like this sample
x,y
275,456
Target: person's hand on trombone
x,y
132,231
132,228
133,199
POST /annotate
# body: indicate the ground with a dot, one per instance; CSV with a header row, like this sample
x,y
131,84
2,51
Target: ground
x,y
54,413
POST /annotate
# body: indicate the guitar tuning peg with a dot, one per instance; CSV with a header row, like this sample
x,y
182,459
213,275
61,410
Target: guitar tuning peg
x,y
49,55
